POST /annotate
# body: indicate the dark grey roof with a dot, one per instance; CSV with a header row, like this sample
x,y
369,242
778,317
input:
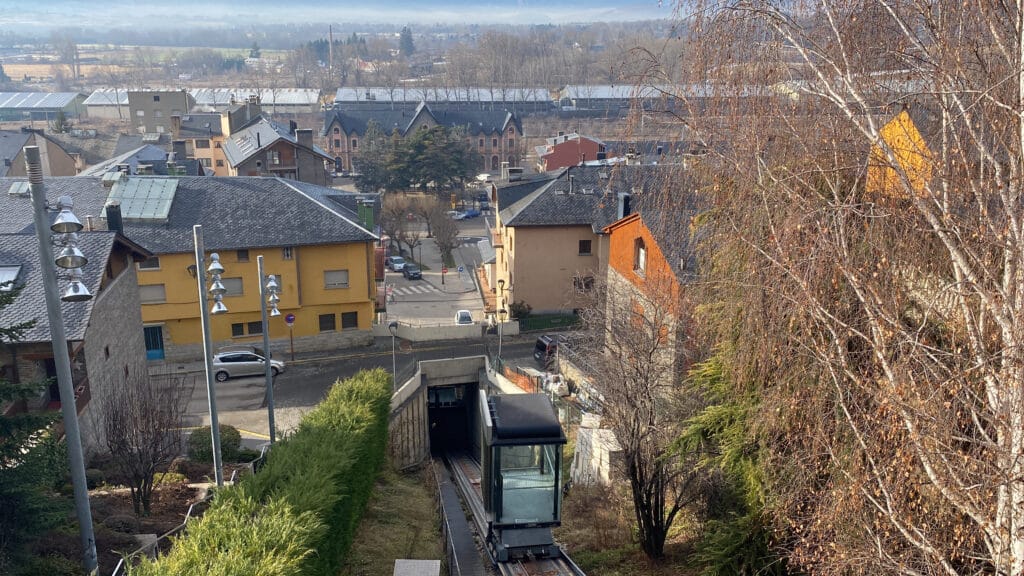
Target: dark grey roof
x,y
355,120
581,196
524,419
11,143
512,192
129,142
199,125
153,156
236,213
667,211
23,249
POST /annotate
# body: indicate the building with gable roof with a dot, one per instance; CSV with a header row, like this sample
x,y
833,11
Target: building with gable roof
x,y
267,148
495,135
104,334
319,249
55,160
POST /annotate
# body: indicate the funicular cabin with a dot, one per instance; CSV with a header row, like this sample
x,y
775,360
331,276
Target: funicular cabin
x,y
521,468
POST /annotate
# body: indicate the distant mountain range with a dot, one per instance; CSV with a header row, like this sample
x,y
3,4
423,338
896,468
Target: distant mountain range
x,y
33,15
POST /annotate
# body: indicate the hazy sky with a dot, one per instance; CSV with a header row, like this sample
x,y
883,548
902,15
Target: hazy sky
x,y
35,14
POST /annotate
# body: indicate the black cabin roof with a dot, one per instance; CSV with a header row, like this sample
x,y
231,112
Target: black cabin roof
x,y
525,419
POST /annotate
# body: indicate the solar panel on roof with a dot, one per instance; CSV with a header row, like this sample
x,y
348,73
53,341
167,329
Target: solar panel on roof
x,y
19,189
145,198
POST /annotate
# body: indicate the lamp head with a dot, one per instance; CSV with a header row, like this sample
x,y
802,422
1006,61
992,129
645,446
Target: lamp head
x,y
66,221
218,306
70,257
272,285
393,327
501,283
217,287
274,311
76,291
215,266
502,313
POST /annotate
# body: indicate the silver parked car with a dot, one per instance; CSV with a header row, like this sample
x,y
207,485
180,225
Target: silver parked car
x,y
234,364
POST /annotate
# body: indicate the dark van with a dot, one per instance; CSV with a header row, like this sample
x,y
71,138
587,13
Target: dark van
x,y
545,348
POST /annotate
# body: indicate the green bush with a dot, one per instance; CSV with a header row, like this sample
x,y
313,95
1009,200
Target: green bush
x,y
299,514
247,454
200,447
94,478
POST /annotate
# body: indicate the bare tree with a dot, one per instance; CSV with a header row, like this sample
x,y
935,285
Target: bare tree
x,y
446,233
636,354
424,207
141,421
394,217
891,308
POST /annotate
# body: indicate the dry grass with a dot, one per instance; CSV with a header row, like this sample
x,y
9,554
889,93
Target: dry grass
x,y
597,534
401,521
48,69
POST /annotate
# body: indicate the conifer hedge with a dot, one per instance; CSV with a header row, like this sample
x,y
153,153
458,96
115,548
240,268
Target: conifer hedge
x,y
300,513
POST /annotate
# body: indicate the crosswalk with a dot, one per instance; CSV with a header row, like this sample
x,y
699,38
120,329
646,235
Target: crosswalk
x,y
422,288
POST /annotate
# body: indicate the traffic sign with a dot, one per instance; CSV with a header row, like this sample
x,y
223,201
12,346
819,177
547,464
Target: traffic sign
x,y
444,270
289,319
461,269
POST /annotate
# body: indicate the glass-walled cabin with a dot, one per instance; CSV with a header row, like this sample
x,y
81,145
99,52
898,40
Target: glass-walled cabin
x,y
522,461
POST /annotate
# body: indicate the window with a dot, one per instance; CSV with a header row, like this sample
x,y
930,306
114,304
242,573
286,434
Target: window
x,y
481,142
243,255
337,142
349,320
335,278
286,253
327,323
202,143
158,113
639,256
150,263
8,274
140,113
355,144
274,158
494,142
156,98
237,330
511,130
511,143
216,144
584,247
583,283
233,286
220,163
337,130
255,327
152,294
205,162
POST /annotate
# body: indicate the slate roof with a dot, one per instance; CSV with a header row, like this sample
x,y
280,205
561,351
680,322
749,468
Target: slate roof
x,y
199,125
11,143
236,213
259,135
355,120
667,211
154,156
30,304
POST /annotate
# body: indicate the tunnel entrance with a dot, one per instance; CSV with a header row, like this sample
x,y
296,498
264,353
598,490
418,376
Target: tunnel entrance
x,y
452,412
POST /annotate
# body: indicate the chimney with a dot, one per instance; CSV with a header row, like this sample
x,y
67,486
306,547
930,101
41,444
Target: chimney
x,y
175,125
144,169
114,222
624,205
178,149
292,126
305,136
124,168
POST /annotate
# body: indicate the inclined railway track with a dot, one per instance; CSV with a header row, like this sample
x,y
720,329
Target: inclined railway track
x,y
466,473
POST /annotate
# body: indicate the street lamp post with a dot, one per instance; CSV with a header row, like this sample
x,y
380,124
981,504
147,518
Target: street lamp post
x,y
393,328
71,258
501,321
269,290
217,289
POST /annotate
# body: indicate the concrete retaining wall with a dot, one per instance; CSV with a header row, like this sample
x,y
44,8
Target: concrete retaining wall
x,y
443,332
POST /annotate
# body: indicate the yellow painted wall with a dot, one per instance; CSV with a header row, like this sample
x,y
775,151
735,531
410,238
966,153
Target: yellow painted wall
x,y
912,157
302,291
545,259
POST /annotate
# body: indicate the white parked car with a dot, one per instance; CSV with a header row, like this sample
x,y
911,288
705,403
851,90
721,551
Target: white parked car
x,y
396,263
463,317
234,364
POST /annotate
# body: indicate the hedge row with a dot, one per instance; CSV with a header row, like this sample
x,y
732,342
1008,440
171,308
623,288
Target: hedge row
x,y
300,513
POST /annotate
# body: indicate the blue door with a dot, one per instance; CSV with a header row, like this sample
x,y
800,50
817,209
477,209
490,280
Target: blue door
x,y
154,342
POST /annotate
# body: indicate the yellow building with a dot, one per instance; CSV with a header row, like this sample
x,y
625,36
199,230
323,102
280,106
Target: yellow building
x,y
307,236
906,165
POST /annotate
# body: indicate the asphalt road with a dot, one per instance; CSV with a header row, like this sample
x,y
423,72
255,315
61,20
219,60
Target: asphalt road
x,y
306,381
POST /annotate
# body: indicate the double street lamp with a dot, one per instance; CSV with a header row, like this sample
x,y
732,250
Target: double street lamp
x,y
269,294
67,226
217,290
